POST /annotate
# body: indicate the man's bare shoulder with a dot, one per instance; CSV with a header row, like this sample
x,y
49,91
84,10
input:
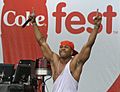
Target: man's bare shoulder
x,y
56,57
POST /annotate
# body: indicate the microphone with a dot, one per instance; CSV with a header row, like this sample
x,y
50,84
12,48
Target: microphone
x,y
32,15
24,25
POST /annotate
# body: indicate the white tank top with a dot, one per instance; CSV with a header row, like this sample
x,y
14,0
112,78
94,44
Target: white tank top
x,y
65,81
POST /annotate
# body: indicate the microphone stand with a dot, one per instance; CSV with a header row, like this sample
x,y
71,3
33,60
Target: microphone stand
x,y
43,84
41,72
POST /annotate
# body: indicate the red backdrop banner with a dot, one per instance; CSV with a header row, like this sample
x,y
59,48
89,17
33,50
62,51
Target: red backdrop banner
x,y
17,42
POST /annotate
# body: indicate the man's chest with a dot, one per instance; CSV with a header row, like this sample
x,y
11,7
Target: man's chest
x,y
59,68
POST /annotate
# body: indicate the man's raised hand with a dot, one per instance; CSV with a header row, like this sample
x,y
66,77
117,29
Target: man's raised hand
x,y
32,16
97,20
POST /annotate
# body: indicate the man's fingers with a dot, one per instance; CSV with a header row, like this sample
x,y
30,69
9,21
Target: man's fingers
x,y
97,12
33,11
100,17
97,15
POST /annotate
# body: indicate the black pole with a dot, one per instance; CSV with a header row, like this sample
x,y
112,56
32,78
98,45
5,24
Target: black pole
x,y
43,84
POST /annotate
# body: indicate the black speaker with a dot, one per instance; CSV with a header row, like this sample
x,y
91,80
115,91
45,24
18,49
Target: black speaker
x,y
7,70
31,63
22,74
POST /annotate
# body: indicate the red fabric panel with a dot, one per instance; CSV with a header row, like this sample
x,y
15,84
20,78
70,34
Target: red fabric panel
x,y
20,43
116,86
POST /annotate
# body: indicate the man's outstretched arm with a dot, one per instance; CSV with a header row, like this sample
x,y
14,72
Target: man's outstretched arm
x,y
41,39
84,54
79,60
